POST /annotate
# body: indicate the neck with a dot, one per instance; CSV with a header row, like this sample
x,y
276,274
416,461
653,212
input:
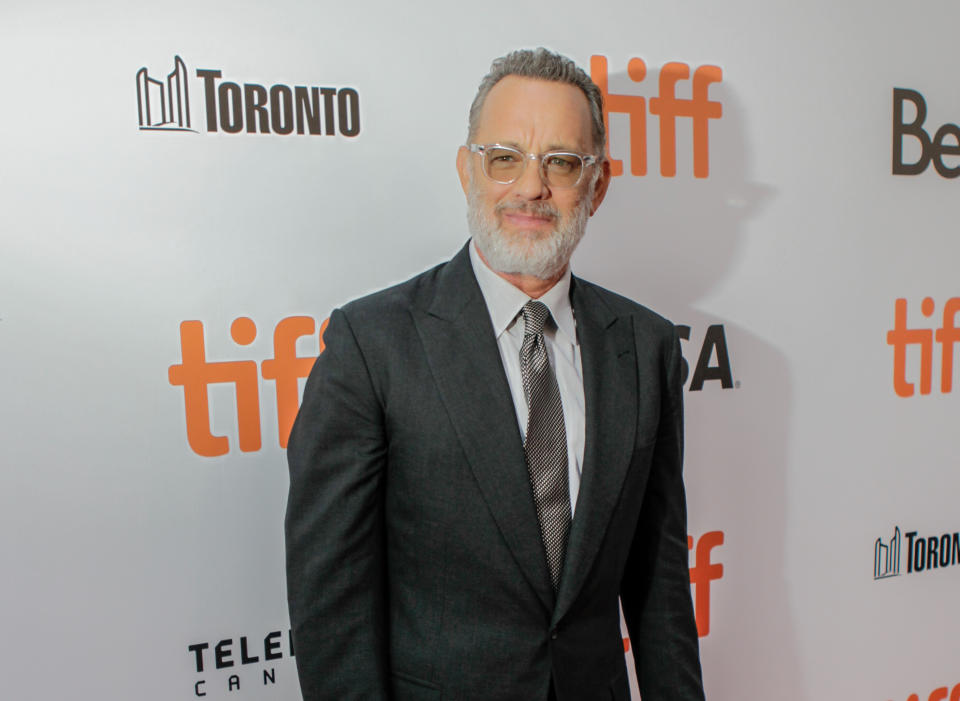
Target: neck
x,y
533,287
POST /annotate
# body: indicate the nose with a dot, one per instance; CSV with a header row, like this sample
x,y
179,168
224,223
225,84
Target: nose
x,y
530,185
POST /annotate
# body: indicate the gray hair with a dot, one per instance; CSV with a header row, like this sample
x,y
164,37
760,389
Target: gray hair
x,y
541,64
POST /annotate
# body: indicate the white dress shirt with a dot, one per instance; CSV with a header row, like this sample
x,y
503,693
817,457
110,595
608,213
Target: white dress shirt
x,y
504,303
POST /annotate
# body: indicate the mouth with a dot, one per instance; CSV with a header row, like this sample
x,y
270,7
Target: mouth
x,y
527,219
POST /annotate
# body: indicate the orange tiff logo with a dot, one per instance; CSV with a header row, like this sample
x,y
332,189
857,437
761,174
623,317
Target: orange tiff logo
x,y
901,337
699,108
195,374
702,572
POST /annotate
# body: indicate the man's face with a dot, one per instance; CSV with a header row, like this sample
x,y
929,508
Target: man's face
x,y
527,227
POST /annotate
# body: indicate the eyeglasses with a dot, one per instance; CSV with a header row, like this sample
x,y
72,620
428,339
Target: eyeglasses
x,y
505,164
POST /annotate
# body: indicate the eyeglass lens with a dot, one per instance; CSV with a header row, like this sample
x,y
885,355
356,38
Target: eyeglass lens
x,y
505,165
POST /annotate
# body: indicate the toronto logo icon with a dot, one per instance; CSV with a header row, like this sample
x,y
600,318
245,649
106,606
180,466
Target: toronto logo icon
x,y
164,106
886,556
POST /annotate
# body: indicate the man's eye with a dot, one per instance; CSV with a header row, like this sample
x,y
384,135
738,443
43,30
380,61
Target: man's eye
x,y
560,162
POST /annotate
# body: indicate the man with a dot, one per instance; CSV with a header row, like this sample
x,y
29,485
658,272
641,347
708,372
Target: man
x,y
489,454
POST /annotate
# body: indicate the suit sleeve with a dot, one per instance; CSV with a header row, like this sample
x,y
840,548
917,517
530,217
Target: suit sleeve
x,y
334,527
655,592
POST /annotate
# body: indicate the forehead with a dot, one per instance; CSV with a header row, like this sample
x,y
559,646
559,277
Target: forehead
x,y
536,115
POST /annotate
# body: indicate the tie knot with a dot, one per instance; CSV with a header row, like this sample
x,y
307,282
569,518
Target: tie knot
x,y
535,315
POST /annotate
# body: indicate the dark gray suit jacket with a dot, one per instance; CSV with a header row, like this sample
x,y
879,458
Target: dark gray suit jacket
x,y
415,567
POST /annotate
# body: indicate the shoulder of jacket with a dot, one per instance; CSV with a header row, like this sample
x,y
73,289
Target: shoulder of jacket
x,y
392,302
643,316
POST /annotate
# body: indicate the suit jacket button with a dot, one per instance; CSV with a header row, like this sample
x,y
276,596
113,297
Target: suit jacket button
x,y
553,634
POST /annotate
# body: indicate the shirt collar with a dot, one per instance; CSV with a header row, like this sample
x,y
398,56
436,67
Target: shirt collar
x,y
504,301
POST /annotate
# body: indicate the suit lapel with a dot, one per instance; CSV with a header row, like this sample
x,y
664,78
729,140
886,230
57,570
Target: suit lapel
x,y
464,359
607,351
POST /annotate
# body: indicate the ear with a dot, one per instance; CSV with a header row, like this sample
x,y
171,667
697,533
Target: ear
x,y
600,189
463,153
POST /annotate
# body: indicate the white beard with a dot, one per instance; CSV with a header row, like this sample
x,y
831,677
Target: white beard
x,y
544,257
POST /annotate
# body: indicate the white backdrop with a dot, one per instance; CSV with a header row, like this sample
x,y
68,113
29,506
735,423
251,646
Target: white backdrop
x,y
125,551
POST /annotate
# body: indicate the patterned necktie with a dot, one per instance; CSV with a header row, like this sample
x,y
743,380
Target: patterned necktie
x,y
546,442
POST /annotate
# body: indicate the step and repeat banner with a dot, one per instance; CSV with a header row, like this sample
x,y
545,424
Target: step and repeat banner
x,y
188,189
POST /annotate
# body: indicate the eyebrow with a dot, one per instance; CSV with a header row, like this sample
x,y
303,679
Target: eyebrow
x,y
555,146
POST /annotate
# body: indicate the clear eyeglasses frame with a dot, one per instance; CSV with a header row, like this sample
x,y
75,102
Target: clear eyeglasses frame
x,y
505,164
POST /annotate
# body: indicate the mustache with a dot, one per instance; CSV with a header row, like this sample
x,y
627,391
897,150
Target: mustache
x,y
536,209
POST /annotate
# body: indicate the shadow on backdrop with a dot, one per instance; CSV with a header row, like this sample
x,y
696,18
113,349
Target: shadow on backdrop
x,y
670,242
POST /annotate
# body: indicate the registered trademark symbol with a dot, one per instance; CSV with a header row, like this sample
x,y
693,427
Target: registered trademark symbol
x,y
737,384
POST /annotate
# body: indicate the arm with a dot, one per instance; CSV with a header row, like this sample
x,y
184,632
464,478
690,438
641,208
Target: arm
x,y
655,591
334,527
